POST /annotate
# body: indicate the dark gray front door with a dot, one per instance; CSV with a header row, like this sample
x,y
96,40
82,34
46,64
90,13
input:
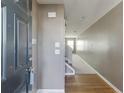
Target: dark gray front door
x,y
15,41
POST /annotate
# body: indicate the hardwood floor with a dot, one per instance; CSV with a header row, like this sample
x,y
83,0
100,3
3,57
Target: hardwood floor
x,y
86,83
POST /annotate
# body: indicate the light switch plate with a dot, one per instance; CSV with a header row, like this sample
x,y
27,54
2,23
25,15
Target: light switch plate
x,y
57,44
34,41
57,51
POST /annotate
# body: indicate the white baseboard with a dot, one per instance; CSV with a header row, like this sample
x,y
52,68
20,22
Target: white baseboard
x,y
69,74
110,84
50,91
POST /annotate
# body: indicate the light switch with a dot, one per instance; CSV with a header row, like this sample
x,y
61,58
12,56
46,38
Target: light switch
x,y
57,51
34,41
57,44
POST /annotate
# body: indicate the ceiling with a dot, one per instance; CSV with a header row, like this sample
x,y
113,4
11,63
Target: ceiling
x,y
81,14
50,1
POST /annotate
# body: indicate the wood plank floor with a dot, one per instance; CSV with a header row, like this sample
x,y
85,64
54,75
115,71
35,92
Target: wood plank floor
x,y
86,83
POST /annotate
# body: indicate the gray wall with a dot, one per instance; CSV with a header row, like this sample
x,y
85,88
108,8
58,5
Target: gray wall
x,y
103,46
51,30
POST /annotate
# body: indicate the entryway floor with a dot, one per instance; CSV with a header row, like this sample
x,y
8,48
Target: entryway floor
x,y
86,83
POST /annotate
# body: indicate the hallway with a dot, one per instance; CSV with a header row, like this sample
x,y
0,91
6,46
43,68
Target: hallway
x,y
86,79
86,83
62,46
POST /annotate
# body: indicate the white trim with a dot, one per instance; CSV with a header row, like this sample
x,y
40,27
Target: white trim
x,y
50,91
69,74
110,84
70,36
4,40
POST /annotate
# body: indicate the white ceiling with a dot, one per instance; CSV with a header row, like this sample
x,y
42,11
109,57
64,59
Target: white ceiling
x,y
81,14
50,1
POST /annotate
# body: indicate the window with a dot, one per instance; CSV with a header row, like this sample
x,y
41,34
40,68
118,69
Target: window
x,y
71,44
80,45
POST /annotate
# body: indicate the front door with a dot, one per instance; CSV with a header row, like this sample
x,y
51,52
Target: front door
x,y
15,65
